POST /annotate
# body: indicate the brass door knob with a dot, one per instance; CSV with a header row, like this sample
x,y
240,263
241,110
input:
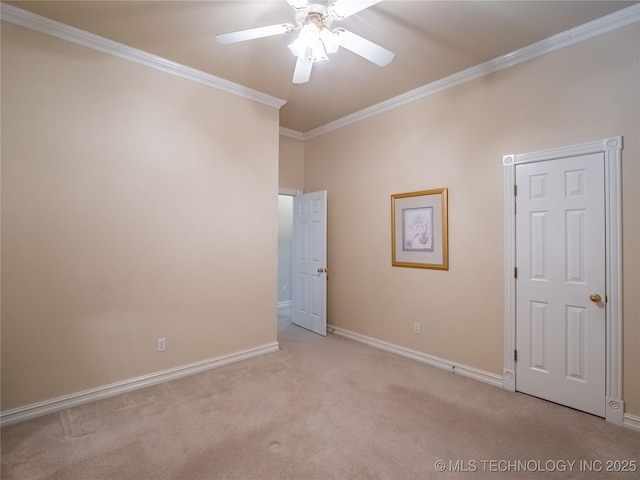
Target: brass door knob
x,y
594,297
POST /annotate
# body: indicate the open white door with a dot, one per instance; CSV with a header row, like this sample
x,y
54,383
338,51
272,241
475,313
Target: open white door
x,y
310,261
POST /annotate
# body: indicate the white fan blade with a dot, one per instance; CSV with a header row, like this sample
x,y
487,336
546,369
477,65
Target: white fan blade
x,y
298,4
344,8
363,47
302,73
252,33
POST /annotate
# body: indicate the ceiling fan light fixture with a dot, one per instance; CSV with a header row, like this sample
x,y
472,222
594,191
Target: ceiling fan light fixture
x,y
314,43
306,40
329,40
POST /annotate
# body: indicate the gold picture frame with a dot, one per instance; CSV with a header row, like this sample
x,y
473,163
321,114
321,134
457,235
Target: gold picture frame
x,y
420,229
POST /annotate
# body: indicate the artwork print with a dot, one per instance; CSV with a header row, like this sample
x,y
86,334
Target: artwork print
x,y
417,229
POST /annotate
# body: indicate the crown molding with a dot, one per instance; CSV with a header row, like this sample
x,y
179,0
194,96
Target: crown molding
x,y
23,18
287,132
608,23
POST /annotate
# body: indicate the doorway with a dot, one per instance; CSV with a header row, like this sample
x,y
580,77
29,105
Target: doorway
x,y
285,256
530,351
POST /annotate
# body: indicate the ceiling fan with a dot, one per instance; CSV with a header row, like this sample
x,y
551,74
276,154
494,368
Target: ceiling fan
x,y
315,41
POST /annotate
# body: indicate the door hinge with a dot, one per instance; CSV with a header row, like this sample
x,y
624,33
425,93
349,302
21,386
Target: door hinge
x,y
515,272
515,190
515,355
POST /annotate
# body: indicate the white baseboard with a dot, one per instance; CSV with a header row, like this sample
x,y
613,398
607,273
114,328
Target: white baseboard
x,y
61,403
631,421
464,370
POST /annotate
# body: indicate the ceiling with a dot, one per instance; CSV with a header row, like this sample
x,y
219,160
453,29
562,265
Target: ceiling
x,y
431,40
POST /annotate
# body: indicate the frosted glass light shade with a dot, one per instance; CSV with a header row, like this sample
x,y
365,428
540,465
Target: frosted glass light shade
x,y
314,44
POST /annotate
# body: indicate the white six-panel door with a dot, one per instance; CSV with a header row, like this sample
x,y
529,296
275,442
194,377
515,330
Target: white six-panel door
x,y
310,261
560,260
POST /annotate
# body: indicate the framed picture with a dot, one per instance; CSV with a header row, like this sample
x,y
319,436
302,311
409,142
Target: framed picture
x,y
419,229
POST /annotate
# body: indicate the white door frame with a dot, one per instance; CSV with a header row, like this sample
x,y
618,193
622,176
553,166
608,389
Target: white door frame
x,y
612,149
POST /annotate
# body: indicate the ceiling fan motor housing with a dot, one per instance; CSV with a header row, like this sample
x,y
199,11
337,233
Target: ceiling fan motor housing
x,y
315,13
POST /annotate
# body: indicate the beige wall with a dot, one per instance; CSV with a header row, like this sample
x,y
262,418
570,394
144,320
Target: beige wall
x,y
135,205
291,163
456,139
118,225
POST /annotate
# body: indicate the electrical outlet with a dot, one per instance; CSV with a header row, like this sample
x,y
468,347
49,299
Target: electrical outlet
x,y
162,344
416,327
284,288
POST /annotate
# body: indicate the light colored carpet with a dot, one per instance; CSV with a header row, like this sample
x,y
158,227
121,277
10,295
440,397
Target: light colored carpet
x,y
320,408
